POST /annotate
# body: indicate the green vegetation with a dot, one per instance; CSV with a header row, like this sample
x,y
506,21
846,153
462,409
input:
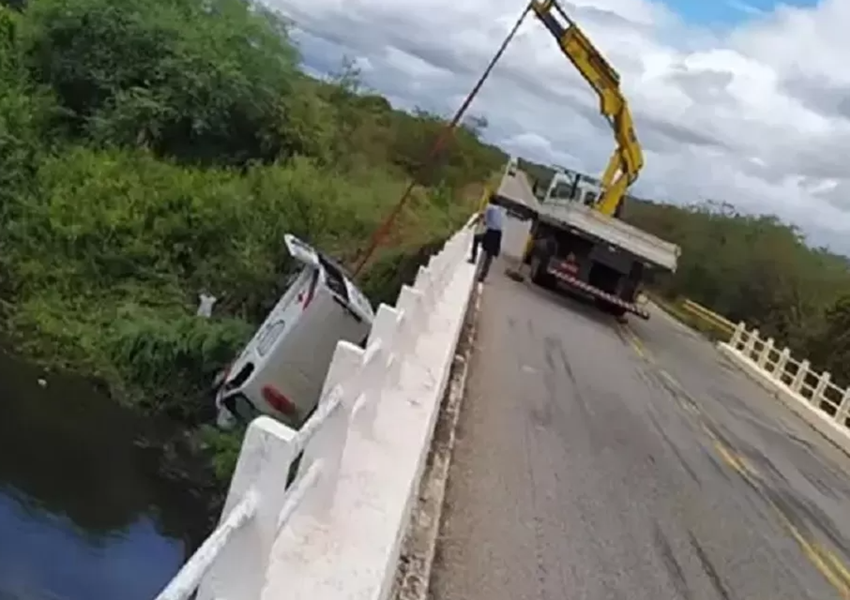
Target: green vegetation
x,y
751,268
154,150
758,270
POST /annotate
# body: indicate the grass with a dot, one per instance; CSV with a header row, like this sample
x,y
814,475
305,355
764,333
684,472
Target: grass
x,y
676,309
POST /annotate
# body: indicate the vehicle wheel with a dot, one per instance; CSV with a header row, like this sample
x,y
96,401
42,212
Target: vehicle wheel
x,y
534,270
611,309
538,272
617,312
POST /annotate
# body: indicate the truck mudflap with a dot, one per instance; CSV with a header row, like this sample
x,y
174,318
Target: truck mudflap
x,y
564,276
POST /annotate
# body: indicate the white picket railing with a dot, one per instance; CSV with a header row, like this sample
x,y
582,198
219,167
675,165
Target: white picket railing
x,y
794,376
336,532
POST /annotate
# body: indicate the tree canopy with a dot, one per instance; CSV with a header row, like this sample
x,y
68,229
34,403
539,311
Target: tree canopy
x,y
154,150
757,269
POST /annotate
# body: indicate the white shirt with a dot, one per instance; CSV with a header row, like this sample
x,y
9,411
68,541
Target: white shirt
x,y
494,217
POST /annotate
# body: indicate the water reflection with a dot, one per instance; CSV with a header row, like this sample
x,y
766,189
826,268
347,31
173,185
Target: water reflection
x,y
86,512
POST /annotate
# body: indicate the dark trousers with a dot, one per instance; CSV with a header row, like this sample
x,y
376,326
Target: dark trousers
x,y
476,242
489,254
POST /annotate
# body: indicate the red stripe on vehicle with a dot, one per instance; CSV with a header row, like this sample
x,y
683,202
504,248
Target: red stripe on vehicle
x,y
560,274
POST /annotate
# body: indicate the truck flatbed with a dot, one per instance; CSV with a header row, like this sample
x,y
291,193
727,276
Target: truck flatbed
x,y
641,244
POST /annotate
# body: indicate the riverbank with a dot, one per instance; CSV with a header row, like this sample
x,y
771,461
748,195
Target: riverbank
x,y
114,296
135,337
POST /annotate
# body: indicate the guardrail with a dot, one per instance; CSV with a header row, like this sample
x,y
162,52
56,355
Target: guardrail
x,y
336,531
794,378
710,317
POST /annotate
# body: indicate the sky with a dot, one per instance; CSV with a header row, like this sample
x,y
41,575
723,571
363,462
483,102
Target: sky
x,y
742,101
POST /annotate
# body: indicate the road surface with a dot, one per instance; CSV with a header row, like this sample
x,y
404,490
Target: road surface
x,y
601,462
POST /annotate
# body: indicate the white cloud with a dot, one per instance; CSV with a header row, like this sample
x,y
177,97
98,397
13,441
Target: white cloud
x,y
758,116
745,8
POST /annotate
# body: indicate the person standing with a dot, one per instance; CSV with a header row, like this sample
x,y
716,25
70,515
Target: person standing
x,y
478,236
489,236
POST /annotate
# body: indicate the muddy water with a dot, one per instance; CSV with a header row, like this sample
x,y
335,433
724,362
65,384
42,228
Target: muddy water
x,y
89,509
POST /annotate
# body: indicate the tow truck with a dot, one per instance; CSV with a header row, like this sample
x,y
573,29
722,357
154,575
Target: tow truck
x,y
579,242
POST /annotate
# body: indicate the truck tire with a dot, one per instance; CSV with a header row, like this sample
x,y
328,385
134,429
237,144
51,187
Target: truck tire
x,y
611,309
538,271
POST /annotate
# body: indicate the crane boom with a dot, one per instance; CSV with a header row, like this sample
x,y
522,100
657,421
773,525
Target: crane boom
x,y
627,159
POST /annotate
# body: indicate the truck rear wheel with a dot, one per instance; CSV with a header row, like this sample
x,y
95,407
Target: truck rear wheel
x,y
611,309
539,276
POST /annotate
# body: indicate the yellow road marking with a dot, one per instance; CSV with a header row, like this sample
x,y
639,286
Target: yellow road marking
x,y
825,561
811,552
669,378
730,458
836,564
634,342
638,349
829,565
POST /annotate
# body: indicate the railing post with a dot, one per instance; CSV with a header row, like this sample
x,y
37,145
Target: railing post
x,y
764,355
266,456
843,408
447,268
411,303
461,246
328,442
781,363
368,387
738,335
452,251
424,282
383,333
233,563
800,376
437,269
750,344
820,388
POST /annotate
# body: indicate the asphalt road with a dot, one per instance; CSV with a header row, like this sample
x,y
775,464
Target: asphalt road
x,y
606,462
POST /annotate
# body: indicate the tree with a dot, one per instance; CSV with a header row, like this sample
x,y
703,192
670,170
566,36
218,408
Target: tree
x,y
199,81
153,149
751,268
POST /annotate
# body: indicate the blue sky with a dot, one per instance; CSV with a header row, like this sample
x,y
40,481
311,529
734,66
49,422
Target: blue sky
x,y
728,12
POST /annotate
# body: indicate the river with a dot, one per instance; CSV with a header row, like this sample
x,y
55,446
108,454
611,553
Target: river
x,y
89,510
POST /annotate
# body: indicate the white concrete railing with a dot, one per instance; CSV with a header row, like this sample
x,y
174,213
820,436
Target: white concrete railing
x,y
794,377
336,532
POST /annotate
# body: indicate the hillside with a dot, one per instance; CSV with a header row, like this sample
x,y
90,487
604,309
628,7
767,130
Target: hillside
x,y
154,150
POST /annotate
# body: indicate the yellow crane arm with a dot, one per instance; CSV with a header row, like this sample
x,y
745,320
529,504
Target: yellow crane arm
x,y
627,160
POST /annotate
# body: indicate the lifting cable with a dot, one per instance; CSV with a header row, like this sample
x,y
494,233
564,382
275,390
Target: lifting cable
x,y
382,230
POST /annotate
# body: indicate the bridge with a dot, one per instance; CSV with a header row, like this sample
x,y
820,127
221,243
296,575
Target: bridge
x,y
588,459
